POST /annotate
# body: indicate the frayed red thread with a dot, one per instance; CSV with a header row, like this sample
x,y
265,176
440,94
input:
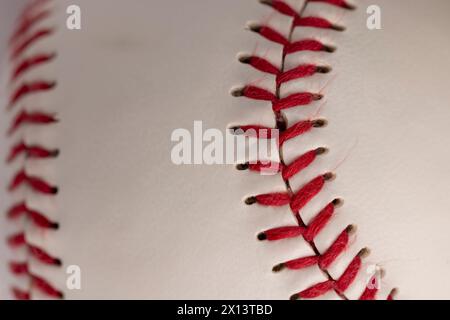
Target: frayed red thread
x,y
29,63
340,285
295,100
43,256
281,7
17,240
273,199
37,184
27,88
260,64
305,45
319,222
33,152
297,264
315,22
309,191
299,164
21,209
335,250
270,34
45,287
27,42
18,268
35,118
296,130
19,294
281,233
301,71
256,93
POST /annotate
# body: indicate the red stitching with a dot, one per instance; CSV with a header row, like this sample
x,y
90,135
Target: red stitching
x,y
28,88
31,62
32,152
18,268
21,41
299,199
36,217
37,184
27,22
45,287
30,40
36,118
20,294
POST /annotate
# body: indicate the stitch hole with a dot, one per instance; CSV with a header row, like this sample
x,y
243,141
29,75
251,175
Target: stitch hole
x,y
250,200
262,236
243,166
237,92
278,267
323,69
338,28
364,253
54,190
244,58
319,123
320,151
57,262
54,226
329,176
253,26
329,49
338,203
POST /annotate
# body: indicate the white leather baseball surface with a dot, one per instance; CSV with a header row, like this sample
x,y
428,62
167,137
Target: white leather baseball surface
x,y
93,185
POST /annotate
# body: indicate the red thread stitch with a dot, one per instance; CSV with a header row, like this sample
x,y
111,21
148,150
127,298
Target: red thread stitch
x,y
298,200
20,41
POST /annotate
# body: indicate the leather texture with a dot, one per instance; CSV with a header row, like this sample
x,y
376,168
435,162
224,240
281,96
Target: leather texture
x,y
141,227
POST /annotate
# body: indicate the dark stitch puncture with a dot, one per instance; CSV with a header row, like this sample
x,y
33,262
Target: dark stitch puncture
x,y
298,200
23,38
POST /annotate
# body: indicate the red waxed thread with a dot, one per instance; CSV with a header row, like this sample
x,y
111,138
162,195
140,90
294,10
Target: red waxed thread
x,y
260,64
295,100
299,164
349,275
273,199
297,129
35,152
25,117
27,42
43,256
45,287
17,240
27,23
338,3
38,219
304,45
271,35
334,250
369,293
315,22
28,88
20,294
319,222
301,71
41,221
309,191
18,268
257,93
281,233
17,210
30,63
36,184
281,7
315,291
301,263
